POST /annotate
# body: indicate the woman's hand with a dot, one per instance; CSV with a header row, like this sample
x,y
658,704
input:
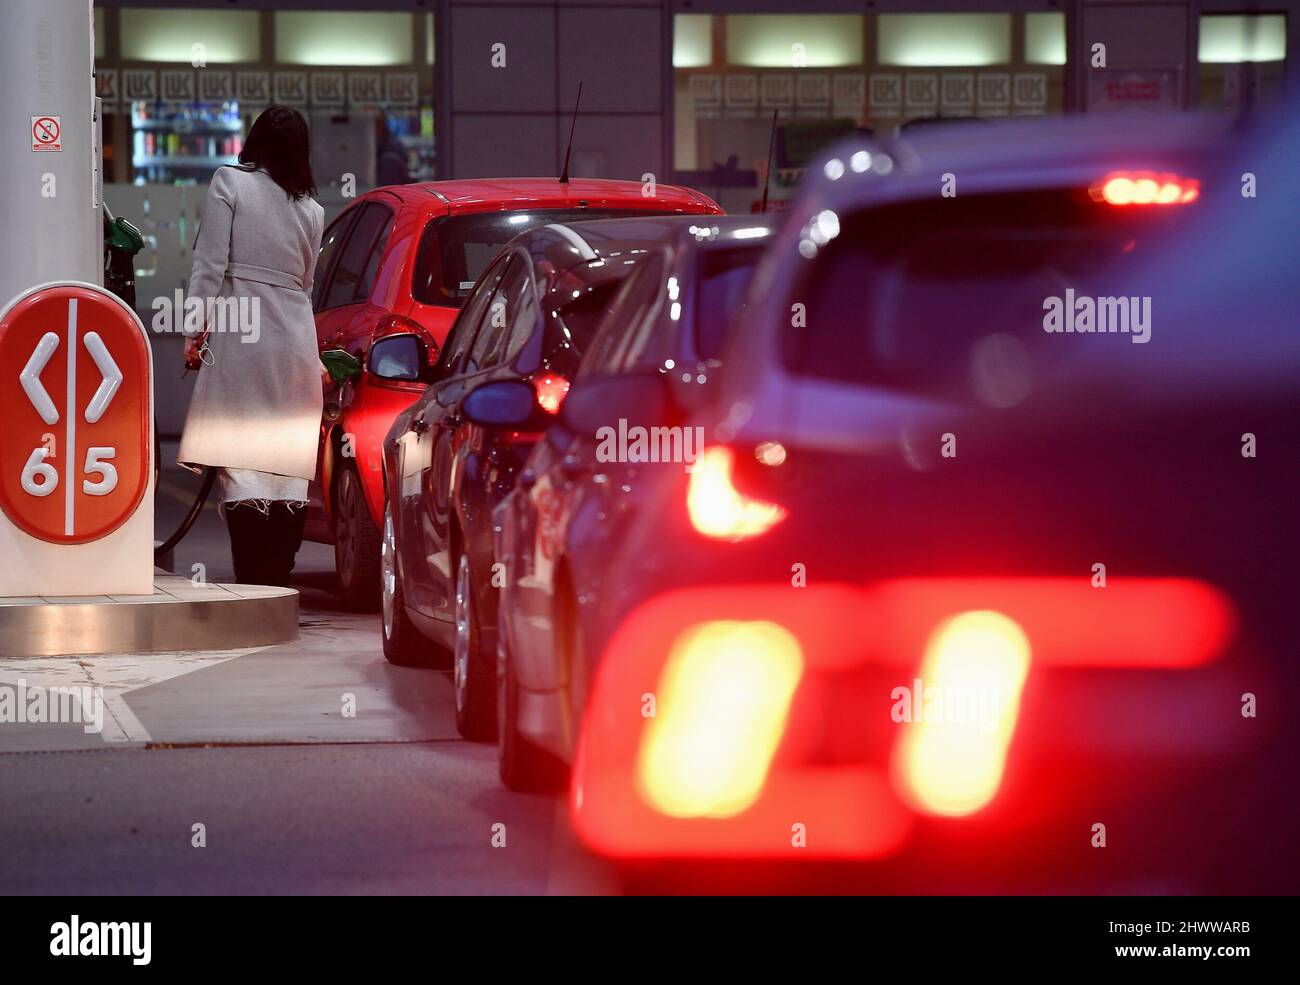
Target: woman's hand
x,y
325,378
192,352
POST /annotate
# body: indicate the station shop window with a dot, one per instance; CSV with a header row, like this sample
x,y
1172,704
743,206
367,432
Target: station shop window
x,y
173,89
1242,60
827,75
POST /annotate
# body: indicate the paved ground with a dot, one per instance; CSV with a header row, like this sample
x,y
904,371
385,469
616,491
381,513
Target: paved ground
x,y
294,796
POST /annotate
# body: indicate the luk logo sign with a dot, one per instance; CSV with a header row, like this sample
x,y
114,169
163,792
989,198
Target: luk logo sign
x,y
74,388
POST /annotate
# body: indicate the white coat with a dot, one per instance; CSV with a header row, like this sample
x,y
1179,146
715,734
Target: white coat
x,y
258,406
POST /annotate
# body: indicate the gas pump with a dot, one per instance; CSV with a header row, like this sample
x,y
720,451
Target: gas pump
x,y
76,388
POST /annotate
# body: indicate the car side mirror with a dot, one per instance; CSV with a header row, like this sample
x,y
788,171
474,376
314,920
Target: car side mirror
x,y
502,403
635,399
401,358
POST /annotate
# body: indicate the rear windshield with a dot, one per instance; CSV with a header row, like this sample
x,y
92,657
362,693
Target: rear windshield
x,y
455,250
950,297
724,281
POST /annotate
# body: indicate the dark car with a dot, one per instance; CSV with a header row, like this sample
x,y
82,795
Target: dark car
x,y
574,500
454,453
394,268
965,584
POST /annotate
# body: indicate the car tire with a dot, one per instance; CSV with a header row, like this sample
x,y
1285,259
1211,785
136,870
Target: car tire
x,y
404,645
473,679
523,767
357,545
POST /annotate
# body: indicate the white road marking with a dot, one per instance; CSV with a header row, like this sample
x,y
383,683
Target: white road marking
x,y
118,675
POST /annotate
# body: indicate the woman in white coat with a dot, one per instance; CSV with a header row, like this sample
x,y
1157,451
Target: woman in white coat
x,y
255,413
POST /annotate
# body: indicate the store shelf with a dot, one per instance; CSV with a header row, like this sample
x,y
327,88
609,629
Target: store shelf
x,y
182,161
185,127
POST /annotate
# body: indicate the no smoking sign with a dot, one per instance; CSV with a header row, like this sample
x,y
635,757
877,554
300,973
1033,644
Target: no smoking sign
x,y
47,133
75,454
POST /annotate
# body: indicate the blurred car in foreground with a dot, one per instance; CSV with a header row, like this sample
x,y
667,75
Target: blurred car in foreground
x,y
964,585
394,269
454,453
576,495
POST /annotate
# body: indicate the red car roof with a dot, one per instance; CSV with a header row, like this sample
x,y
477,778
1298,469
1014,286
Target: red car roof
x,y
491,194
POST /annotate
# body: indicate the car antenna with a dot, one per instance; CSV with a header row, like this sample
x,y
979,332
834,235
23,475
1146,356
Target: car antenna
x,y
771,153
564,175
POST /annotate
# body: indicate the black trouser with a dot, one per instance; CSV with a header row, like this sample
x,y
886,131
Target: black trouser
x,y
264,544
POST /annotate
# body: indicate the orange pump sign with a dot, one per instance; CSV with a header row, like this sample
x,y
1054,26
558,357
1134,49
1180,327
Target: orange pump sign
x,y
75,455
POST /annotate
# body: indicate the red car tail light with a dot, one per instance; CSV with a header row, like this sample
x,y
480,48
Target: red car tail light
x,y
717,508
766,724
726,691
955,767
551,388
1145,188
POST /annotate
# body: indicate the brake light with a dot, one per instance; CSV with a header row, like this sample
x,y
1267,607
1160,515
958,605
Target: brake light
x,y
1145,188
723,699
952,763
717,508
551,388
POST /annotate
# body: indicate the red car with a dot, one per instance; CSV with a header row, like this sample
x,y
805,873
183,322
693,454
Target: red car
x,y
394,269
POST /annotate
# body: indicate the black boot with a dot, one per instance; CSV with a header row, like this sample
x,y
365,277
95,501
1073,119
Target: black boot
x,y
250,531
286,538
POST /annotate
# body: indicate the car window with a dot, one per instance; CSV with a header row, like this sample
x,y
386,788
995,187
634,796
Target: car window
x,y
466,325
367,284
512,291
329,246
948,299
722,280
602,353
345,284
455,249
523,316
635,318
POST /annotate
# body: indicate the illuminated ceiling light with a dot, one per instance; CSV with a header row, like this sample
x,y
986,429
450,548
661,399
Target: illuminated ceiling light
x,y
794,40
834,169
170,35
974,667
353,38
943,40
721,708
1045,38
860,161
751,232
1234,38
692,40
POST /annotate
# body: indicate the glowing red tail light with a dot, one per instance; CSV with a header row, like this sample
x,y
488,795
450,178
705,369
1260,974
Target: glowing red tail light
x,y
717,508
748,686
1145,188
551,388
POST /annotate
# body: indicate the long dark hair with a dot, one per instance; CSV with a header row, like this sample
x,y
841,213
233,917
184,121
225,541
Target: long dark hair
x,y
278,144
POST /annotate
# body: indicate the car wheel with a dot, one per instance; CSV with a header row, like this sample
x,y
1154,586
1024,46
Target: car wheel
x,y
472,678
404,645
523,767
357,545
